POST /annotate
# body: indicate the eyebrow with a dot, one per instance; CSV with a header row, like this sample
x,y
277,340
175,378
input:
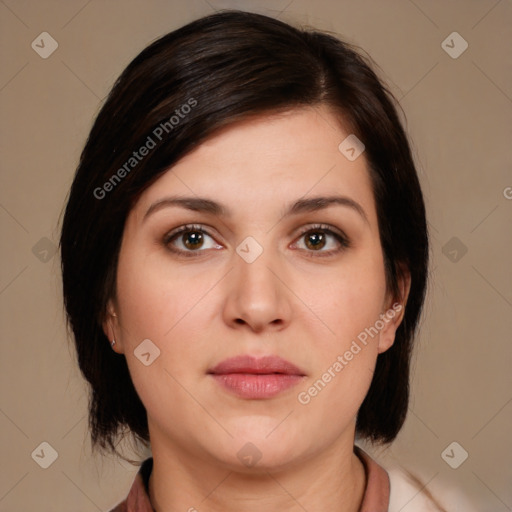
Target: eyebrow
x,y
204,205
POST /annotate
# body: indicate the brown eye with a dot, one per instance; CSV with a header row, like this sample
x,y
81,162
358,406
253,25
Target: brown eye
x,y
192,239
323,240
315,240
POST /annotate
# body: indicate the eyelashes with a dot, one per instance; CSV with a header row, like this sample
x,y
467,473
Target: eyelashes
x,y
193,240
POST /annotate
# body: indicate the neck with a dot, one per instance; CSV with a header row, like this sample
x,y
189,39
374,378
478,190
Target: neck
x,y
333,480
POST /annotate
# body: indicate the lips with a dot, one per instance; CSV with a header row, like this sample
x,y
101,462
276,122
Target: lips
x,y
257,366
256,378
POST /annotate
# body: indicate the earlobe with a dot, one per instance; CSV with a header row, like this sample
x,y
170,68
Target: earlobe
x,y
394,314
110,325
392,318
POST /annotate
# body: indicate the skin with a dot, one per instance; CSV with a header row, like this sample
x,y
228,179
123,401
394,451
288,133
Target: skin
x,y
302,302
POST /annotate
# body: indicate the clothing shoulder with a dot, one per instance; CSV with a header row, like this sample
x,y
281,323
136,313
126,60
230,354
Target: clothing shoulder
x,y
409,494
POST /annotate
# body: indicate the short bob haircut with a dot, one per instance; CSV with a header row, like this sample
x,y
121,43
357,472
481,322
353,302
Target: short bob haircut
x,y
176,93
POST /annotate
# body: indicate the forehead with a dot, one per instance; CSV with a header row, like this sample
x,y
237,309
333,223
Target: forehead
x,y
266,161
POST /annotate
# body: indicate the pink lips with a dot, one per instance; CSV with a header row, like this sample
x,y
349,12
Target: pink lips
x,y
256,378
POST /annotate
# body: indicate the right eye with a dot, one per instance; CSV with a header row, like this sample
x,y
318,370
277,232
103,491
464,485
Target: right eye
x,y
190,239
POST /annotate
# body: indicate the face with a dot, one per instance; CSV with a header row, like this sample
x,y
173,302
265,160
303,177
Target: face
x,y
255,270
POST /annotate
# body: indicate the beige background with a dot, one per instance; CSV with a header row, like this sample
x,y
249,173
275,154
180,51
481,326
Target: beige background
x,y
459,117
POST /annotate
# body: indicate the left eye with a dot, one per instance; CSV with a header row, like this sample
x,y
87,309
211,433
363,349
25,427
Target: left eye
x,y
321,240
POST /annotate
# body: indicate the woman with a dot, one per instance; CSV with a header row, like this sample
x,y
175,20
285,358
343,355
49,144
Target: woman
x,y
244,258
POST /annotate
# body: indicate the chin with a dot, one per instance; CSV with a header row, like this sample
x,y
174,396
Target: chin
x,y
267,432
253,459
260,446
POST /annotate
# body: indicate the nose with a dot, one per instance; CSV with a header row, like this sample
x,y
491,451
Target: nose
x,y
257,298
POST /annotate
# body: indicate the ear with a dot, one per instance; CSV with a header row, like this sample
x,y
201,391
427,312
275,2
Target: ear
x,y
393,312
111,328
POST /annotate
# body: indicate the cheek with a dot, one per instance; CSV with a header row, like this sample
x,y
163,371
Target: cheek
x,y
155,297
172,307
349,304
344,361
158,304
350,299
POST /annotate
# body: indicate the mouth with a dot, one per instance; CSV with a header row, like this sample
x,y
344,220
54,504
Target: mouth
x,y
256,378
